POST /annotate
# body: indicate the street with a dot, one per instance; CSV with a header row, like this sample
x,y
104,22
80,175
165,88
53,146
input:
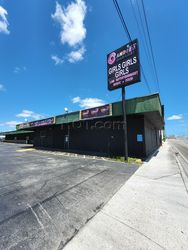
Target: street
x,y
47,198
181,148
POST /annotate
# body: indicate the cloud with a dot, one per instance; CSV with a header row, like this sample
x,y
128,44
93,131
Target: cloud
x,y
10,124
73,31
88,102
24,114
71,20
17,70
76,99
175,117
3,21
30,114
2,88
77,55
57,60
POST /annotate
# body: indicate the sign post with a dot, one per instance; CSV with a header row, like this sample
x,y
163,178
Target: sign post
x,y
123,70
124,124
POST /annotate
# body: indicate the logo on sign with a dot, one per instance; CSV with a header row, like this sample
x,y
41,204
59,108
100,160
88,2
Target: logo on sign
x,y
112,58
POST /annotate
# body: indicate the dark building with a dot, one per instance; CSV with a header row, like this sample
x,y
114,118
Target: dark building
x,y
100,130
19,136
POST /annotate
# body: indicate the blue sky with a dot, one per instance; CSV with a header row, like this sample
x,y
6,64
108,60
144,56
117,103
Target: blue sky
x,y
53,55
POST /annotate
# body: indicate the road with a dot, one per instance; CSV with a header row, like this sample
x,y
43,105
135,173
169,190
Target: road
x,y
45,199
181,147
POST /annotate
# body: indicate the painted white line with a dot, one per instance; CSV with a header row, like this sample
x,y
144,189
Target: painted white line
x,y
181,154
44,211
182,174
37,218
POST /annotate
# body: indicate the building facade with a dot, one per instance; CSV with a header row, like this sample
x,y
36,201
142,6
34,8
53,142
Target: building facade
x,y
99,131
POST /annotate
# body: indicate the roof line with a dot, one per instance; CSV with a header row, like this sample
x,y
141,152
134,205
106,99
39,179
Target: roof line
x,y
66,114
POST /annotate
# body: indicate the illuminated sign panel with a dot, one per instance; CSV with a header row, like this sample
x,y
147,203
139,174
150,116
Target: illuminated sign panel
x,y
105,110
123,66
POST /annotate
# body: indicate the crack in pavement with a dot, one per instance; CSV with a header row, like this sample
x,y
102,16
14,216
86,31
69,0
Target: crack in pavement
x,y
132,228
166,176
158,178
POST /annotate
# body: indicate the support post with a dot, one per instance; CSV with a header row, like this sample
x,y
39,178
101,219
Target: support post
x,y
124,125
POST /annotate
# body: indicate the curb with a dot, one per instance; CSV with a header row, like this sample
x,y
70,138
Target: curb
x,y
182,171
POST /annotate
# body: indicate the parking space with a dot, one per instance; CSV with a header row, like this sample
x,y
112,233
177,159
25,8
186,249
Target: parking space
x,y
46,198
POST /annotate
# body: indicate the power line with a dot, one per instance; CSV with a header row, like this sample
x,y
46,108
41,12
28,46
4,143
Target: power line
x,y
146,81
122,19
148,54
129,37
151,47
140,32
142,24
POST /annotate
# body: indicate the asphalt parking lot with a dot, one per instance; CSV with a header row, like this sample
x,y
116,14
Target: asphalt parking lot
x,y
45,198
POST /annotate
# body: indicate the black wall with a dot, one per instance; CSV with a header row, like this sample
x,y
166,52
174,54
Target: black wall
x,y
136,127
152,137
100,136
103,136
44,136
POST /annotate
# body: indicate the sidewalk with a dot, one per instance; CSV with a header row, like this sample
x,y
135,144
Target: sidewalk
x,y
149,212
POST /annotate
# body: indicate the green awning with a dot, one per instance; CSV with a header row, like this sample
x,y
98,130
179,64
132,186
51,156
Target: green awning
x,y
67,118
16,132
144,104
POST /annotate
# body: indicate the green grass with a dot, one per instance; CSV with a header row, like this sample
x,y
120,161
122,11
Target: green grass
x,y
130,159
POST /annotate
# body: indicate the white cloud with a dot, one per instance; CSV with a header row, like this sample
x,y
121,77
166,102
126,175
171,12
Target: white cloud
x,y
30,114
76,55
57,60
76,99
73,31
88,102
3,21
2,88
71,20
175,117
10,124
17,70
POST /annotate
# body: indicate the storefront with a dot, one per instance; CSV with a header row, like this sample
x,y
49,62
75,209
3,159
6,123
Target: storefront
x,y
19,136
99,131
